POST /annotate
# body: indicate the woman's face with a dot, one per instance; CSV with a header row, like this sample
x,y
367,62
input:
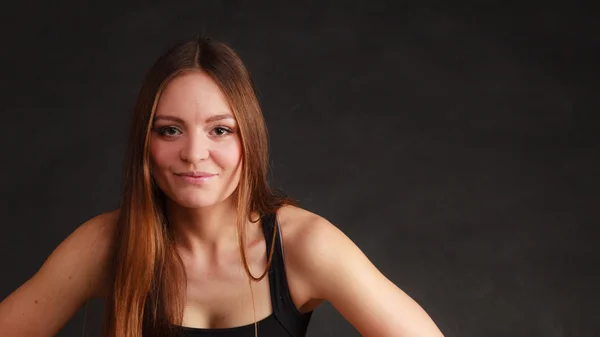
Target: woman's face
x,y
195,145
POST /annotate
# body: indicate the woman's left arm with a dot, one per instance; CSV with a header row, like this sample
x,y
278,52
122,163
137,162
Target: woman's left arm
x,y
333,268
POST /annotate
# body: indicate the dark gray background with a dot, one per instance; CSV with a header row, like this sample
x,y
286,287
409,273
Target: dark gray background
x,y
455,144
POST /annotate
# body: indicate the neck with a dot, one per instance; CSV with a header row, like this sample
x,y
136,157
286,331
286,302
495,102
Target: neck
x,y
212,227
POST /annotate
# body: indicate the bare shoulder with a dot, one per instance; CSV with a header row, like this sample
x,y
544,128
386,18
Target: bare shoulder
x,y
73,273
308,244
300,231
92,242
297,223
311,240
305,233
83,255
96,233
101,224
323,264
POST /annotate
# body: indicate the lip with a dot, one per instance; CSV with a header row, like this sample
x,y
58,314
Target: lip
x,y
195,177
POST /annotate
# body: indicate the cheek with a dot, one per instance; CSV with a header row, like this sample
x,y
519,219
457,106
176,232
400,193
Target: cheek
x,y
228,155
160,154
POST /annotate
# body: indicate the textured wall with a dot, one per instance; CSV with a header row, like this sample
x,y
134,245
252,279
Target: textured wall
x,y
457,146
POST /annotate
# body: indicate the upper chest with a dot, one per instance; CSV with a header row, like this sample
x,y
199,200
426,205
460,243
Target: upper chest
x,y
219,292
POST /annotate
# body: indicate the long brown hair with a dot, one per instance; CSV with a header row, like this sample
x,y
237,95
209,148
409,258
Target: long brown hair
x,y
148,279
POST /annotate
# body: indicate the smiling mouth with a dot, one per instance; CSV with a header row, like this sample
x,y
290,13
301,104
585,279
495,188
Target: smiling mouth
x,y
202,175
196,178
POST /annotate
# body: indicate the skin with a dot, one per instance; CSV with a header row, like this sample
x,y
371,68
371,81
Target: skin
x,y
192,133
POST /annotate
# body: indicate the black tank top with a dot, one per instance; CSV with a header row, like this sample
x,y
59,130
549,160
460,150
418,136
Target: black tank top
x,y
285,320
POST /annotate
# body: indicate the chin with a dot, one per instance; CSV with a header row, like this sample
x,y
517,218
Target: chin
x,y
196,202
199,200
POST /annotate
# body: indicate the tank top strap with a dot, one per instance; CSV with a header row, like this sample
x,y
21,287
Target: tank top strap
x,y
284,309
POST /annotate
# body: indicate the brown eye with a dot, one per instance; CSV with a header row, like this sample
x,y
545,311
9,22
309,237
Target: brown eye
x,y
168,131
221,131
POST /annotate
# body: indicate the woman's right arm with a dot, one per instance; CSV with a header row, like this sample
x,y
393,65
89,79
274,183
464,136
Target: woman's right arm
x,y
74,273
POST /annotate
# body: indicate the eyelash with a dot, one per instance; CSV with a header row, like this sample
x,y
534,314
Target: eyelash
x,y
161,130
223,128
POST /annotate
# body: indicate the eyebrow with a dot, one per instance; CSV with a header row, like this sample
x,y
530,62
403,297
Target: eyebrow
x,y
208,120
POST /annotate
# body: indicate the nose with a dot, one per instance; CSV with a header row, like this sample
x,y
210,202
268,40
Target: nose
x,y
195,149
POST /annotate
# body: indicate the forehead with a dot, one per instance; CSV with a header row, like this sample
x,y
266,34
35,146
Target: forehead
x,y
192,91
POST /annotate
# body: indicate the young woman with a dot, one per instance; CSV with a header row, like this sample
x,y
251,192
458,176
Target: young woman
x,y
200,245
